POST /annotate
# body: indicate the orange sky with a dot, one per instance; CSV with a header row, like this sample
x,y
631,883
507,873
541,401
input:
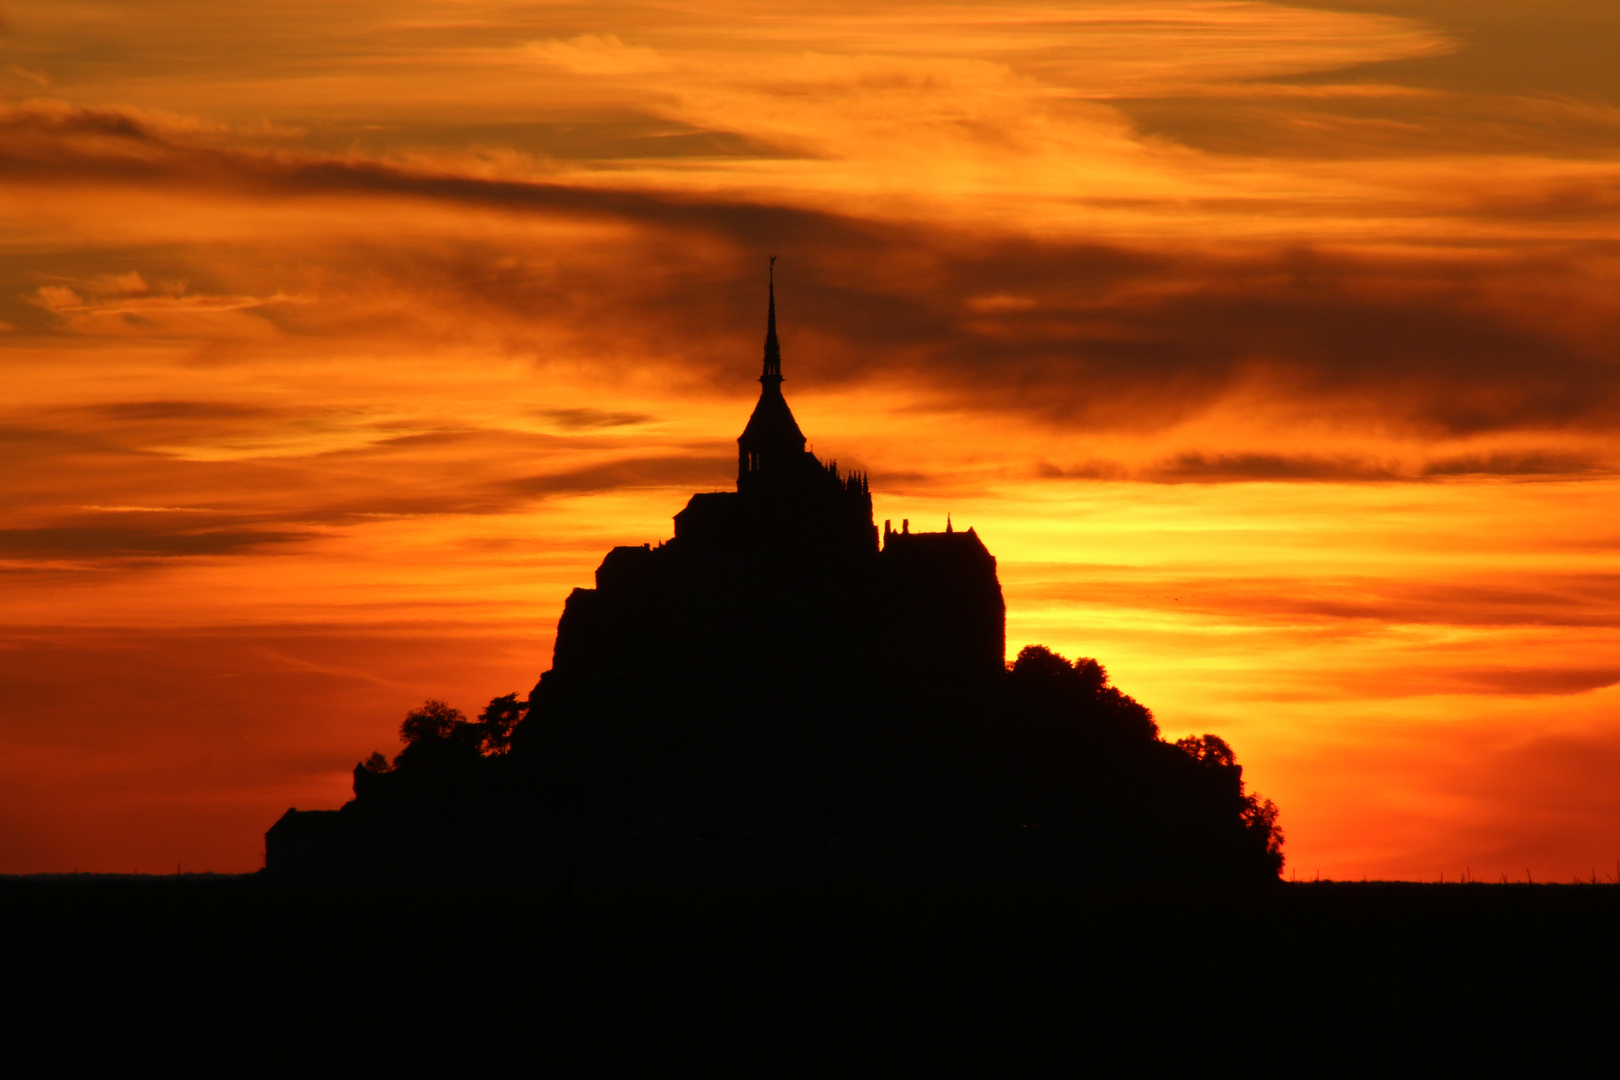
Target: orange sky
x,y
1271,348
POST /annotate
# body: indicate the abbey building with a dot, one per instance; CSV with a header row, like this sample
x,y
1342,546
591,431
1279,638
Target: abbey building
x,y
780,679
777,597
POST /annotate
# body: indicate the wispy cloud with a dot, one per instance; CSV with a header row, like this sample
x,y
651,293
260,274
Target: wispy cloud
x,y
1075,332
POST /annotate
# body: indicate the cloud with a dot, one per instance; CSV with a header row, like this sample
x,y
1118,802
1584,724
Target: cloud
x,y
1538,599
598,54
1558,48
1376,122
1095,469
1223,468
585,419
1429,344
135,540
1077,334
713,472
38,79
1542,681
1198,467
35,443
178,410
119,303
125,483
1531,463
64,301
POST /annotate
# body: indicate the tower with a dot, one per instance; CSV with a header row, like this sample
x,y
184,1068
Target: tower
x,y
770,451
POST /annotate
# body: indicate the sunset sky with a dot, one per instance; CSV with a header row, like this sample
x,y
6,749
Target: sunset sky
x,y
1273,349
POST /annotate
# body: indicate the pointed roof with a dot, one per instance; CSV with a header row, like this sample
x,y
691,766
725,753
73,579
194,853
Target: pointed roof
x,y
772,424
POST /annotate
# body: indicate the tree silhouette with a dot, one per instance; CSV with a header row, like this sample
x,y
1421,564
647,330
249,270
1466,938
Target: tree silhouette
x,y
497,722
438,733
1076,697
433,721
1207,750
1081,750
436,736
1258,816
1260,820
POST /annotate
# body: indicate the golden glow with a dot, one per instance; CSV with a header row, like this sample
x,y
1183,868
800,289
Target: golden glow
x,y
1270,348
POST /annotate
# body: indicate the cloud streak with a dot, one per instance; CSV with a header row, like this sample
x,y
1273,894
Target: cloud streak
x,y
1075,333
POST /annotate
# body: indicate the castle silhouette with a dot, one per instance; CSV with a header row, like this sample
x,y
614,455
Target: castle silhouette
x,y
778,674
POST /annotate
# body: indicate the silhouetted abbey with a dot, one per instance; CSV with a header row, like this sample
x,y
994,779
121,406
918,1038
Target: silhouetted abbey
x,y
777,674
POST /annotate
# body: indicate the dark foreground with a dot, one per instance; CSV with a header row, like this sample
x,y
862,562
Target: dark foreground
x,y
575,976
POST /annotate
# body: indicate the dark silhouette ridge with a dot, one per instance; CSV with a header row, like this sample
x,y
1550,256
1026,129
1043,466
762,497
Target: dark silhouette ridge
x,y
779,677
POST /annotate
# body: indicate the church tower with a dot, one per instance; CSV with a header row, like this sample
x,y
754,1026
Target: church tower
x,y
771,450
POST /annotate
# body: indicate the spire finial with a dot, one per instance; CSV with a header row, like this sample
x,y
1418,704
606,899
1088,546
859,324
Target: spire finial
x,y
773,351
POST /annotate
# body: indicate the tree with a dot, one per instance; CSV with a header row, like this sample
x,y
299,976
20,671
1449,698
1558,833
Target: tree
x,y
1209,750
497,721
1260,820
438,732
436,736
1258,815
1038,663
1051,687
433,722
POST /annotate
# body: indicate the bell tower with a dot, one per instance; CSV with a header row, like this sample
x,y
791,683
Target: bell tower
x,y
770,450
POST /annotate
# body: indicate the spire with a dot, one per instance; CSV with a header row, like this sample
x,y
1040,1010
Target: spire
x,y
773,351
772,442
